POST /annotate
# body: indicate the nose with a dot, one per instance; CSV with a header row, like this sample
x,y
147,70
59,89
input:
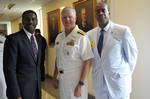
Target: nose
x,y
30,21
99,12
67,18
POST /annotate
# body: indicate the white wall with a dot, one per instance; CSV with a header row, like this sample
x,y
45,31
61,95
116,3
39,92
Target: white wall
x,y
136,14
40,21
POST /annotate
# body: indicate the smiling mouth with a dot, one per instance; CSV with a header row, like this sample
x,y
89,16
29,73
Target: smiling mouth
x,y
31,25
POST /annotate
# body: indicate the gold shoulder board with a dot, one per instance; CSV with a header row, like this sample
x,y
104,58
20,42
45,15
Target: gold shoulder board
x,y
81,32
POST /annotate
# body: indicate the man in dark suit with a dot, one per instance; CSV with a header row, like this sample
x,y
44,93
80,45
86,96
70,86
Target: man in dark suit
x,y
44,45
22,59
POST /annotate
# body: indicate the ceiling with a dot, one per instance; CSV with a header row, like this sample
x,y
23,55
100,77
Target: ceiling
x,y
12,9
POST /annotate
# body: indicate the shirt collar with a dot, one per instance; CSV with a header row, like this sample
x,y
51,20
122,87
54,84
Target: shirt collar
x,y
106,27
28,33
73,31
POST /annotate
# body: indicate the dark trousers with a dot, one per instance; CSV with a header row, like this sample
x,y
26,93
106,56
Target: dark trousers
x,y
36,94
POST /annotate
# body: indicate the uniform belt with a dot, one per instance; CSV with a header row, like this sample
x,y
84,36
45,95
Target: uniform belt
x,y
61,71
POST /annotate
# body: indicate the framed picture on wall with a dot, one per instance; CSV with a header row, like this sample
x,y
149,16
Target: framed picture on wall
x,y
85,14
54,25
107,1
3,29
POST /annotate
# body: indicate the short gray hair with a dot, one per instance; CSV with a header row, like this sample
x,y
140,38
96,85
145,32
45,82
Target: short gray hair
x,y
67,9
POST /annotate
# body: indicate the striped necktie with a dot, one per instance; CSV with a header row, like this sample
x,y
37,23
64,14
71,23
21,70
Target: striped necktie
x,y
100,42
34,48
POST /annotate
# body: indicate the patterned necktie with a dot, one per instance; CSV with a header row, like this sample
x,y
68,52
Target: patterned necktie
x,y
34,48
100,42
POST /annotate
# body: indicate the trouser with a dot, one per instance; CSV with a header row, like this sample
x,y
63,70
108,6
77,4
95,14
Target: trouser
x,y
68,80
36,93
105,93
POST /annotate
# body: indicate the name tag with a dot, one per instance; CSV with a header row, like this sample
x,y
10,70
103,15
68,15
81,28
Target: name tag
x,y
71,43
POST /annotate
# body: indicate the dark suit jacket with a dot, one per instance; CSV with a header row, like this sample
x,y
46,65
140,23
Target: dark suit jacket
x,y
43,46
21,70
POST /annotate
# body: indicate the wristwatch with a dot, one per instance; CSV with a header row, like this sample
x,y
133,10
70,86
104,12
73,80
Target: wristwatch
x,y
81,83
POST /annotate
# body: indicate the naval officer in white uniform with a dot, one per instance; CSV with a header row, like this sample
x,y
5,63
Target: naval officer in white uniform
x,y
115,57
2,79
73,58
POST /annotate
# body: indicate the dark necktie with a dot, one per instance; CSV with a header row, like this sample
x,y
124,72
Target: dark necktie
x,y
100,42
34,48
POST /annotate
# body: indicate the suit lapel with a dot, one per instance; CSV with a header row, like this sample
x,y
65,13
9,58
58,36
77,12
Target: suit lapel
x,y
96,40
107,45
95,37
27,44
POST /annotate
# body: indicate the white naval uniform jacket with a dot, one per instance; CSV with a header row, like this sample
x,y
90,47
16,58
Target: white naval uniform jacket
x,y
2,78
71,52
117,62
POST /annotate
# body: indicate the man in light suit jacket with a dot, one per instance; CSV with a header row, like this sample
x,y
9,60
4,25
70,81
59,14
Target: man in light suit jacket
x,y
115,62
21,64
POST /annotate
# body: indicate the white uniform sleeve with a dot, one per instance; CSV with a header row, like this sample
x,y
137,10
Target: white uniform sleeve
x,y
130,49
85,48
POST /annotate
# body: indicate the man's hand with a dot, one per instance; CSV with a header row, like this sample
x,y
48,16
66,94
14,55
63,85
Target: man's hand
x,y
77,91
55,83
19,97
